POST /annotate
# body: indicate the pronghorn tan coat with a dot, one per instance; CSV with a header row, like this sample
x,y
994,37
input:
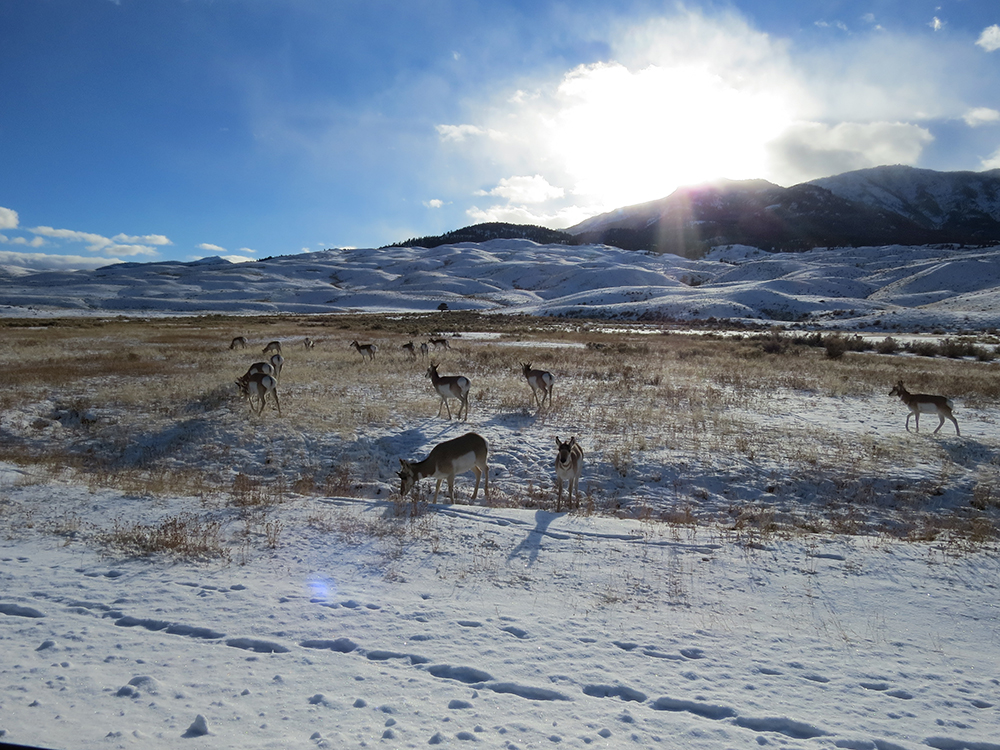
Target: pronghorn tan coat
x,y
922,403
451,386
457,456
539,380
569,468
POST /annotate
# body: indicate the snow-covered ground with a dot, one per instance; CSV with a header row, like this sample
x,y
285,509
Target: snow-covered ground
x,y
340,624
502,627
885,288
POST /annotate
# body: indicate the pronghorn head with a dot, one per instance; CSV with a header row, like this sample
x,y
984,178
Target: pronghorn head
x,y
432,371
407,477
526,369
565,451
898,389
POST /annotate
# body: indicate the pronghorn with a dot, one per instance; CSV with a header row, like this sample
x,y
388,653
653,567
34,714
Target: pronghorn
x,y
451,386
257,368
308,343
921,402
277,362
439,343
274,346
365,350
408,347
258,385
539,380
569,466
240,342
423,350
447,459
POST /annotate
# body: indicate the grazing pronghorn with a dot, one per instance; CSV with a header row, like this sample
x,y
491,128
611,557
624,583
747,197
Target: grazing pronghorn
x,y
569,467
365,350
240,342
277,362
424,350
447,459
257,368
258,385
308,343
274,346
539,380
409,349
921,402
451,386
439,343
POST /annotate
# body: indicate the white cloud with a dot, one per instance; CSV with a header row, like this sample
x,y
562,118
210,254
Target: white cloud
x,y
247,250
809,150
458,132
8,218
989,40
936,23
121,245
47,262
33,242
980,116
209,247
146,239
993,161
434,203
558,219
534,189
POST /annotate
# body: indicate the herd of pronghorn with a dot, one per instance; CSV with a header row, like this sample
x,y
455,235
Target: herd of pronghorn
x,y
469,451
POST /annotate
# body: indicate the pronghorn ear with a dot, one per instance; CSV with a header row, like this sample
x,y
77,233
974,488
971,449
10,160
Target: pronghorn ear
x,y
402,463
558,442
572,441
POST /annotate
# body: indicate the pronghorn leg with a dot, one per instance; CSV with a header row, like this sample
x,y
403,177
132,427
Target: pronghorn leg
x,y
956,425
437,487
451,488
479,473
446,406
559,495
276,402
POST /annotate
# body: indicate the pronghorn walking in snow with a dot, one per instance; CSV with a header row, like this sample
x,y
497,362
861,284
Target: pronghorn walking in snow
x,y
451,386
539,380
922,403
569,467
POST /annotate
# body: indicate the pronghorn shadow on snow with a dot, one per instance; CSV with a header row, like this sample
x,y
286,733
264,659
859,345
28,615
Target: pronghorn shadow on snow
x,y
532,542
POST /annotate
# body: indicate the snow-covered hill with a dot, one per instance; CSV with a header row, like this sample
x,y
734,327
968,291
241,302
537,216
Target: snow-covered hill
x,y
879,288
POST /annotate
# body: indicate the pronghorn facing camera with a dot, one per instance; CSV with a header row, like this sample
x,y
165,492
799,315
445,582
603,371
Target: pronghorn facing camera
x,y
308,343
451,386
258,385
922,403
569,467
449,458
273,346
367,351
409,349
240,342
539,380
439,343
424,350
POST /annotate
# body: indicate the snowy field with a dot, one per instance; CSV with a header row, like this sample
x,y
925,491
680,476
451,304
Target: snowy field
x,y
763,555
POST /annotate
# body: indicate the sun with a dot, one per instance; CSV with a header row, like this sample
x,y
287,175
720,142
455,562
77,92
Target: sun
x,y
625,137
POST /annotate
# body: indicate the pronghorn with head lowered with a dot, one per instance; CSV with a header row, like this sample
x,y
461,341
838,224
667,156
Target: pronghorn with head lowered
x,y
539,380
273,346
569,467
257,384
240,342
451,386
409,349
367,351
922,403
439,343
456,456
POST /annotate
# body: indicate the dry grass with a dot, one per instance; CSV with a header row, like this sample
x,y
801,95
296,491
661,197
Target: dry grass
x,y
140,406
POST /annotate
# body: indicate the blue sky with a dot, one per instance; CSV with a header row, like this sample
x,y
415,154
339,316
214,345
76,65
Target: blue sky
x,y
141,130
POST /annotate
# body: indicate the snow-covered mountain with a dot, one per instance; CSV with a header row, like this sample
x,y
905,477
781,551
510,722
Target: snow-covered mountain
x,y
898,205
891,287
965,201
